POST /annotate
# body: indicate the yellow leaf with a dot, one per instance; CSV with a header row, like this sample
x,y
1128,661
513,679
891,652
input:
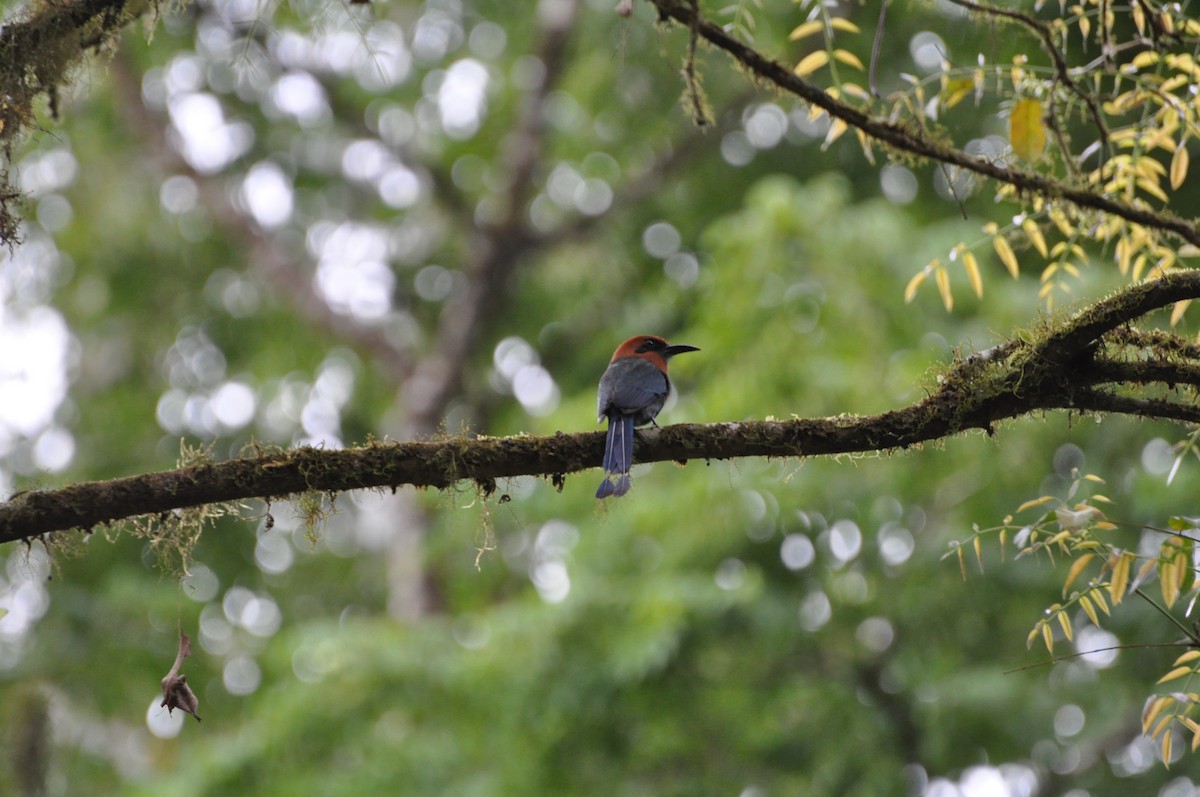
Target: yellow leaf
x,y
1151,186
1166,750
910,290
943,284
1191,655
1089,610
1163,721
1048,637
1076,568
955,89
1045,499
1145,58
1120,575
855,90
1145,570
1032,635
1035,236
1170,122
849,58
1062,222
1178,672
865,142
807,29
1178,310
1153,710
1006,255
962,563
1179,166
836,128
1124,253
1172,571
971,266
811,63
841,23
979,553
1027,131
1065,621
1098,596
1060,538
1169,581
1139,264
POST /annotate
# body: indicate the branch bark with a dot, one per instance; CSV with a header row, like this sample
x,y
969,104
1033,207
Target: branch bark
x,y
1013,379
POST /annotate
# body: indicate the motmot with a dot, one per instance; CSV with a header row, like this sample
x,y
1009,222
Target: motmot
x,y
632,392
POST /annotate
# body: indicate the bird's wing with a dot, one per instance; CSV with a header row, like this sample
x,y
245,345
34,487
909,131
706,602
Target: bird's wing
x,y
630,385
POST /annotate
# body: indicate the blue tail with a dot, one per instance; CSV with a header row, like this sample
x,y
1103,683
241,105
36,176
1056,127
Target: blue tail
x,y
618,456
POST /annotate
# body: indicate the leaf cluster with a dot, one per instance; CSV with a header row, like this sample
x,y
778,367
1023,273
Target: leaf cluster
x,y
1100,578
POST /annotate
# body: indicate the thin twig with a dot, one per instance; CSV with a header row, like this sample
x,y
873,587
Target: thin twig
x,y
1193,640
876,46
691,79
1082,653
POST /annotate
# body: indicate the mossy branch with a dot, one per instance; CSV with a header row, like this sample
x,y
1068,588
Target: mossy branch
x,y
38,54
1088,362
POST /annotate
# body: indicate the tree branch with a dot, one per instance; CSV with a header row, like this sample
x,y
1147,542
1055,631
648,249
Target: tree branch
x,y
1105,316
904,139
1008,381
37,54
1157,409
1141,373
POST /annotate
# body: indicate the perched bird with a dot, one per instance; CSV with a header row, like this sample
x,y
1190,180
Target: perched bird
x,y
632,392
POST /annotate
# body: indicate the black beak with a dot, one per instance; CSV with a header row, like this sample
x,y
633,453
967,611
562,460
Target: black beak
x,y
677,348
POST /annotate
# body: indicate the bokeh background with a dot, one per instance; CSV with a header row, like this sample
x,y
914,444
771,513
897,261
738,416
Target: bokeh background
x,y
317,223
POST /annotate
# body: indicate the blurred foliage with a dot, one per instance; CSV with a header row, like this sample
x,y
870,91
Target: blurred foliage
x,y
751,627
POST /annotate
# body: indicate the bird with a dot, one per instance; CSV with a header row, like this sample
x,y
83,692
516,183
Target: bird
x,y
632,391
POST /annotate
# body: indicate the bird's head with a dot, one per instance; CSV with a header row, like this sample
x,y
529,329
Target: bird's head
x,y
652,348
